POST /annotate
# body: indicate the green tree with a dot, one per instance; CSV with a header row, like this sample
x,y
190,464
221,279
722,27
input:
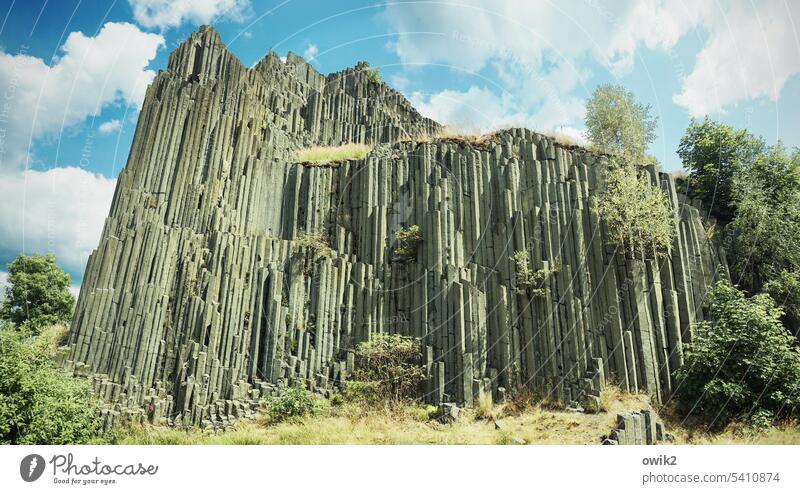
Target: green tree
x,y
39,404
715,156
618,124
38,292
764,240
637,214
741,362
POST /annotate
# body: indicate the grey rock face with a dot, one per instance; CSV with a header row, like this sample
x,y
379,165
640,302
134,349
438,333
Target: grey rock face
x,y
638,428
198,301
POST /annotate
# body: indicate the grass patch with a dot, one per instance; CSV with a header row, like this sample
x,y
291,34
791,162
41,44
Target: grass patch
x,y
329,155
525,420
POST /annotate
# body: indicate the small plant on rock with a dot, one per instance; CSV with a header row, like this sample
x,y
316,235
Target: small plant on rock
x,y
528,281
407,243
317,243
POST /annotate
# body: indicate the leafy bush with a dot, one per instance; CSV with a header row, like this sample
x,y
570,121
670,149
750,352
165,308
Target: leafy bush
x,y
618,124
742,363
637,213
317,243
407,243
529,281
388,368
374,75
294,403
38,293
39,404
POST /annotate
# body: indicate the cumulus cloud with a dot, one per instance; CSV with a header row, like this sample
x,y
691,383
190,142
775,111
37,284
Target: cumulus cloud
x,y
171,13
59,211
480,110
110,126
89,74
310,52
538,50
3,284
751,53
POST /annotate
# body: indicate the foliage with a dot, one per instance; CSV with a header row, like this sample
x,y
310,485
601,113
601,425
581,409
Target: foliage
x,y
637,213
618,124
764,240
529,281
294,403
785,289
740,362
327,155
316,243
39,404
38,292
389,367
716,155
373,74
407,243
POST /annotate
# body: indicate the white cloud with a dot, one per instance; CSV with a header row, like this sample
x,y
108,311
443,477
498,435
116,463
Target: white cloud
x,y
539,50
480,110
59,211
3,284
172,13
310,52
89,74
751,53
110,126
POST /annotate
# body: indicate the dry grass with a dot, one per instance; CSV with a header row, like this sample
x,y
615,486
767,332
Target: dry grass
x,y
524,420
690,433
328,155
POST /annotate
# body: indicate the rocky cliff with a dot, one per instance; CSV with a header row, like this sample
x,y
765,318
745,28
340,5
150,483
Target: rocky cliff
x,y
199,298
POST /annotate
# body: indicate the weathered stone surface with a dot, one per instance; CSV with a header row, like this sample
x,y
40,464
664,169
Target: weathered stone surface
x,y
199,295
637,428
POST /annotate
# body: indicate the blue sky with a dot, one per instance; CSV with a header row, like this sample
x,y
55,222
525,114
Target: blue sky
x,y
73,74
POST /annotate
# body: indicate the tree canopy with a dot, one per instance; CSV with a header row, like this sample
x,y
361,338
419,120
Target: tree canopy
x,y
38,292
741,363
618,124
716,156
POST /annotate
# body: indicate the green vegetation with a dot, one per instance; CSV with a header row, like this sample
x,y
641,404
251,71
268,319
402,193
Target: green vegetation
x,y
38,293
637,213
742,364
316,243
717,158
527,281
329,155
618,124
39,404
408,241
293,404
388,369
374,75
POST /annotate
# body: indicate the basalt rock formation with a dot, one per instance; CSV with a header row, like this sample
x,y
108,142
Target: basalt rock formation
x,y
201,297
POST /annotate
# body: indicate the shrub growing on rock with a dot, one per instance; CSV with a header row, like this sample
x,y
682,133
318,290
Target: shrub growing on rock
x,y
388,368
408,242
636,212
742,363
